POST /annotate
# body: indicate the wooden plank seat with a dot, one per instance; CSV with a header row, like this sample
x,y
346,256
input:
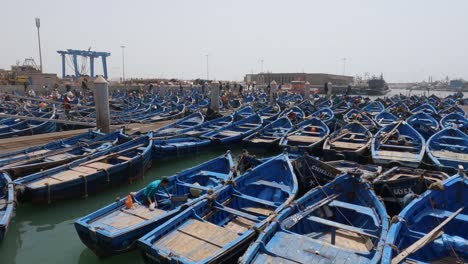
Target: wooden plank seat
x,y
237,213
443,214
258,210
358,208
453,146
255,199
59,157
399,147
306,139
239,225
124,158
450,137
354,229
445,154
347,145
263,139
276,185
397,155
196,240
229,133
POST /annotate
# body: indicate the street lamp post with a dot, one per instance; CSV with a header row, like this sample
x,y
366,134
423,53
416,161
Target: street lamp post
x,y
344,66
38,25
261,68
123,63
207,66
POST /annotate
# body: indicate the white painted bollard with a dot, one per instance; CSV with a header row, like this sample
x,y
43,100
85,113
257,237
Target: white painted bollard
x,y
214,96
101,101
307,91
273,88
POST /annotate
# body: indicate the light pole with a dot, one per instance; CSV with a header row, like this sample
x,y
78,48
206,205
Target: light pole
x,y
261,66
123,63
344,66
207,66
38,25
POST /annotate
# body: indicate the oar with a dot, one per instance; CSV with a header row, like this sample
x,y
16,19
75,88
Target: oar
x,y
111,154
390,133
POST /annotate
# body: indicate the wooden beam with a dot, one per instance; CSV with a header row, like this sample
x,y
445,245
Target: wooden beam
x,y
435,233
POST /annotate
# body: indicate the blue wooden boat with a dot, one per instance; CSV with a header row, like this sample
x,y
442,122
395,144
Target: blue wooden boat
x,y
7,203
425,124
453,120
385,118
425,108
399,185
369,171
114,229
174,112
398,144
295,114
453,108
448,148
311,172
342,222
399,109
236,131
207,126
25,128
309,134
53,154
324,114
340,108
355,115
180,126
175,147
120,164
374,108
219,229
432,228
244,112
270,113
349,142
270,135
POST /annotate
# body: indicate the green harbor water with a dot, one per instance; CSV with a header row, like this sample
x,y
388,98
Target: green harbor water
x,y
46,234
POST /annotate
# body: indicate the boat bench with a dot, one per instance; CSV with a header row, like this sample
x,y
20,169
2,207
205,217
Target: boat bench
x,y
193,186
398,147
443,214
237,213
357,230
255,199
452,146
273,184
450,137
358,208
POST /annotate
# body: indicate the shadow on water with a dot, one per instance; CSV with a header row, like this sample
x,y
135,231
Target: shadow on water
x,y
45,233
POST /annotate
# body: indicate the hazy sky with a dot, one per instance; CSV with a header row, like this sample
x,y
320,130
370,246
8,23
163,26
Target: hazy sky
x,y
406,40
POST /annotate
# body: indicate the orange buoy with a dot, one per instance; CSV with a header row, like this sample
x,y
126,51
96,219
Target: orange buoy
x,y
129,202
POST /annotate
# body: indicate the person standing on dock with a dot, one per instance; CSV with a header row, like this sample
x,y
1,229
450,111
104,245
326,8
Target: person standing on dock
x,y
329,92
325,88
348,90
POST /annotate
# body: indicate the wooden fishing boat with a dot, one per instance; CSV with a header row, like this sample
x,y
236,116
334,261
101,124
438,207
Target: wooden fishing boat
x,y
270,113
425,108
374,108
180,126
453,120
399,185
115,228
368,171
27,127
432,228
355,115
244,112
453,108
324,114
295,114
311,172
7,203
270,135
399,109
309,134
349,142
340,108
236,131
398,144
385,118
53,155
174,112
425,124
120,164
175,147
342,222
448,149
219,229
208,126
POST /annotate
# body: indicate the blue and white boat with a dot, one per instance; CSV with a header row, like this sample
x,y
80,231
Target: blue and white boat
x,y
115,228
7,203
207,126
448,149
349,142
175,147
341,222
236,131
425,124
454,120
425,108
270,135
374,108
385,118
219,229
309,134
398,144
180,126
432,228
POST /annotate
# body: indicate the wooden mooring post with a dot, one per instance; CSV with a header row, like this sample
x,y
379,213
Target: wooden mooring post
x,y
101,101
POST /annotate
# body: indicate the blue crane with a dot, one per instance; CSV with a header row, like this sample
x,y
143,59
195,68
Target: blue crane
x,y
86,54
